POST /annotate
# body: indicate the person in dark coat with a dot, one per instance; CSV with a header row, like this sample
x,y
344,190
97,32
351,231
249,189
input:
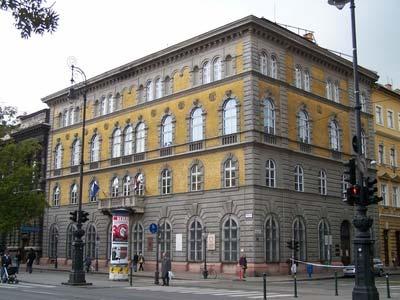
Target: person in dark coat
x,y
5,263
18,259
135,261
29,262
141,261
88,263
165,269
243,264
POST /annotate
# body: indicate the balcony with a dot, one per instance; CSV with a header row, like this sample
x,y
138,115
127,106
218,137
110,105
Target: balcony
x,y
195,146
115,161
57,172
133,202
305,147
229,139
94,165
167,151
138,156
74,169
336,154
269,138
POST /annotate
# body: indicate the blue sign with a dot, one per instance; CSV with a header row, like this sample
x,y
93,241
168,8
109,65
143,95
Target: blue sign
x,y
29,229
153,228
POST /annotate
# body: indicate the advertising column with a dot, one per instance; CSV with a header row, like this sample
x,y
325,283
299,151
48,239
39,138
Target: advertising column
x,y
119,268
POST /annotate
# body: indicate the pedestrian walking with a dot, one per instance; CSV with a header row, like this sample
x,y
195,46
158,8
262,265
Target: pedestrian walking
x,y
18,259
5,263
29,262
135,261
243,264
141,261
88,263
165,269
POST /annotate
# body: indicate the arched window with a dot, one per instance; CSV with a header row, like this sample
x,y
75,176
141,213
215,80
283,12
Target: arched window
x,y
298,179
299,235
195,76
165,237
228,66
329,90
304,127
158,88
230,240
363,102
76,152
71,116
95,148
139,184
196,178
196,125
128,138
53,241
166,182
115,187
264,63
230,173
69,240
274,67
66,117
323,236
58,157
116,143
56,195
76,115
206,72
270,173
91,241
103,105
137,238
74,194
334,135
271,239
149,91
126,186
230,117
217,68
322,183
93,191
298,76
363,143
336,92
167,86
269,116
111,103
140,138
96,108
307,85
59,121
166,132
195,241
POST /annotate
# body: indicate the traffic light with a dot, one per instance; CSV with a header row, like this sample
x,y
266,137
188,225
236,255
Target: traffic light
x,y
290,244
293,245
74,215
353,195
350,171
84,216
370,192
296,246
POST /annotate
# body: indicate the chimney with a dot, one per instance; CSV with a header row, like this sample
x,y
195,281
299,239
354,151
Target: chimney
x,y
388,86
309,36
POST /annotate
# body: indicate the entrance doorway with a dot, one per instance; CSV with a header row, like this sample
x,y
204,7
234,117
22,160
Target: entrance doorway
x,y
345,242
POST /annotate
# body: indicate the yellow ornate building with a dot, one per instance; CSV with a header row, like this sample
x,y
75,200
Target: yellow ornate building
x,y
386,104
238,134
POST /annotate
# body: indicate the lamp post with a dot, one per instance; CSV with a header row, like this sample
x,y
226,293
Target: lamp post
x,y
205,271
364,287
97,253
56,252
77,274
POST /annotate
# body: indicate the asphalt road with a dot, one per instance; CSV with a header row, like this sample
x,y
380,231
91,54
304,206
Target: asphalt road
x,y
144,288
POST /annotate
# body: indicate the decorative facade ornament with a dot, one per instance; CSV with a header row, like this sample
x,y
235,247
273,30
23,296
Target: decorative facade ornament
x,y
212,96
181,105
106,126
153,113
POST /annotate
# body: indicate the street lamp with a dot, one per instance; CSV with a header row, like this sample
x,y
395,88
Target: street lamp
x,y
364,287
205,234
77,274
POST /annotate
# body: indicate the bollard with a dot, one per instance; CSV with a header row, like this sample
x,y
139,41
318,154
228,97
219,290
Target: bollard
x,y
295,286
336,284
265,285
130,275
387,285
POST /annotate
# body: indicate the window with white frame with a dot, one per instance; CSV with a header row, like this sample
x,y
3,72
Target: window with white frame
x,y
230,173
195,241
329,90
66,117
230,238
95,148
271,239
363,102
334,135
298,179
116,143
149,90
196,178
138,185
217,68
93,198
166,182
323,183
264,63
196,125
274,67
206,72
137,238
140,138
336,92
393,157
115,187
378,115
158,88
53,241
230,117
128,140
269,116
381,154
385,201
111,103
91,236
126,185
395,197
74,194
228,66
390,120
167,86
299,235
307,84
69,240
323,235
304,127
58,157
76,115
165,237
363,143
270,173
166,132
76,152
71,116
298,77
56,195
103,105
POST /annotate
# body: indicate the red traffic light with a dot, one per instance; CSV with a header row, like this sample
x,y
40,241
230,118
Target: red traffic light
x,y
355,190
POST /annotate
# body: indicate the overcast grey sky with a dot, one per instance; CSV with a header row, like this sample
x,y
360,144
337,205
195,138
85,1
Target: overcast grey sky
x,y
106,34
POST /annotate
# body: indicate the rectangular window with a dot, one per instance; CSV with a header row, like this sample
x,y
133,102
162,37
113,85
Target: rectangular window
x,y
378,115
381,154
390,121
384,194
395,196
392,157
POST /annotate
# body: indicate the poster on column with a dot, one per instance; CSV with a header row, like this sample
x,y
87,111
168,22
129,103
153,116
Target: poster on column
x,y
119,246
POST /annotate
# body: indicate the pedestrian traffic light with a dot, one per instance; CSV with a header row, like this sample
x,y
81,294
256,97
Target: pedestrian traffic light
x,y
290,244
350,171
370,192
74,215
84,216
353,195
296,246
